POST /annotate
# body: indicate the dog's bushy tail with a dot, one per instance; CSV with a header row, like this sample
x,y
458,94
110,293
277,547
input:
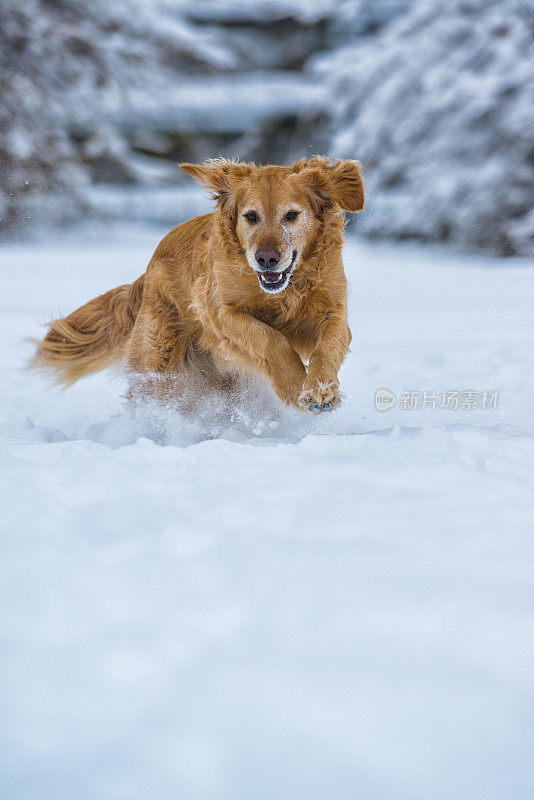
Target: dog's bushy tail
x,y
92,337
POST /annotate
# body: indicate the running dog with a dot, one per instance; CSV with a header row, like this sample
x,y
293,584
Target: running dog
x,y
256,286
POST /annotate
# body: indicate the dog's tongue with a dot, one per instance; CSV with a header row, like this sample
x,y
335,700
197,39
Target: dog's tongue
x,y
270,277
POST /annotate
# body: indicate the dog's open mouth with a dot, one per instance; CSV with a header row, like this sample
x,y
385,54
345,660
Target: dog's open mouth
x,y
276,281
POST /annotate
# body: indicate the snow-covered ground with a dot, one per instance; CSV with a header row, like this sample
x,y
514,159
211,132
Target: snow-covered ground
x,y
258,603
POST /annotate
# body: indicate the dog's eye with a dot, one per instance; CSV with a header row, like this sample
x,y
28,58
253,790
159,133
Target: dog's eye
x,y
251,216
292,215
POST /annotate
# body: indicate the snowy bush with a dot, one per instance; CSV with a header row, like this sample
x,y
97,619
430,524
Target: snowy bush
x,y
65,66
439,107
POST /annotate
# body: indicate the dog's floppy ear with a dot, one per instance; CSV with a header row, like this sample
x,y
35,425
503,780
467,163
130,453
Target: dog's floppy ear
x,y
220,175
329,184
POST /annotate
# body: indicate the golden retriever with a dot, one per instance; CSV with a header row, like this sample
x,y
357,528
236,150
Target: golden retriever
x,y
257,285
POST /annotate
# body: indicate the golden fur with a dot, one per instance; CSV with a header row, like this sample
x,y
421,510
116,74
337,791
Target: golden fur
x,y
199,309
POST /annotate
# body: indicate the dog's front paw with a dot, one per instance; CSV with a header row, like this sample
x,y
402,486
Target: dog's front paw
x,y
289,381
319,396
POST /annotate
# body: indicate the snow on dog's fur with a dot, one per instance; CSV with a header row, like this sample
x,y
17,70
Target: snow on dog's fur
x,y
256,285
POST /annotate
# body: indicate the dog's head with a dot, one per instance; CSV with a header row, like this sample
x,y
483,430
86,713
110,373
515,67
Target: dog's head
x,y
276,211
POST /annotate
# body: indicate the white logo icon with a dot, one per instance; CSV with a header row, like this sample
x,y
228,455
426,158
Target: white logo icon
x,y
384,400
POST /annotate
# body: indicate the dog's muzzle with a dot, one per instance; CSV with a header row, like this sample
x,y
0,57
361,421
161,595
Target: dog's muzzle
x,y
272,281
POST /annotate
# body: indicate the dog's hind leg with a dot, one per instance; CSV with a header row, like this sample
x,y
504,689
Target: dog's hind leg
x,y
167,365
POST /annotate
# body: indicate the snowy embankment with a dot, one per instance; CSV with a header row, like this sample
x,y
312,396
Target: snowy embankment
x,y
439,108
267,604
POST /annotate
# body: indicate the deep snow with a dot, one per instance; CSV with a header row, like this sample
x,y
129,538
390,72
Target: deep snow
x,y
273,605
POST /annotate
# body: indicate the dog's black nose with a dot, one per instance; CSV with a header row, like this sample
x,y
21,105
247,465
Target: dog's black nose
x,y
267,257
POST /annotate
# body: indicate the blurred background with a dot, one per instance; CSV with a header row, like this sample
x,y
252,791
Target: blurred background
x,y
100,100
